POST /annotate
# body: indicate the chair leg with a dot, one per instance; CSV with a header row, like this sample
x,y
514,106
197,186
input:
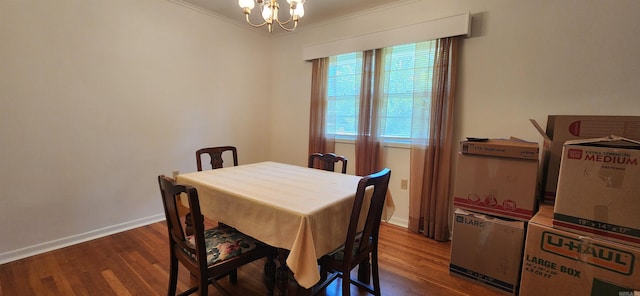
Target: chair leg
x,y
173,276
270,274
376,274
346,282
364,272
282,272
324,272
203,285
233,276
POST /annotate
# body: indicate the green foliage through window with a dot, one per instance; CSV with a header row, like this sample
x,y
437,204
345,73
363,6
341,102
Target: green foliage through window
x,y
406,91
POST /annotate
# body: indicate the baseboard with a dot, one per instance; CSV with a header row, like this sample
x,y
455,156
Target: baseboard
x,y
98,233
399,222
76,239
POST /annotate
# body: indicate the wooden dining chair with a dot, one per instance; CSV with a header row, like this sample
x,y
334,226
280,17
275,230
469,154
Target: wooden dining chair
x,y
211,254
215,153
327,161
361,246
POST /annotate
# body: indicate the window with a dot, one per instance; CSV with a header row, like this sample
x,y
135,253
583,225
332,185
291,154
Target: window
x,y
343,94
406,91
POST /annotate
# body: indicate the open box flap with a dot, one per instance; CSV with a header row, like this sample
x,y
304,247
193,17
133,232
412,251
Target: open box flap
x,y
610,141
540,130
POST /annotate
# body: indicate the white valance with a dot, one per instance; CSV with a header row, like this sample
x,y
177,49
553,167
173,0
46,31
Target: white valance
x,y
434,29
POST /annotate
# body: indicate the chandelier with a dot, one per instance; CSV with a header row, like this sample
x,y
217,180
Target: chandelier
x,y
270,13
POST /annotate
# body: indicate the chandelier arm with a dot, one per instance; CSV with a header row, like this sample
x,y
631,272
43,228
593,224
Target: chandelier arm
x,y
291,18
295,25
253,25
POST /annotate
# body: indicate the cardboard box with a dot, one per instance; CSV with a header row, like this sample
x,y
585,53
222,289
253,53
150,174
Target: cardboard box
x,y
558,262
561,128
487,249
501,147
499,186
599,189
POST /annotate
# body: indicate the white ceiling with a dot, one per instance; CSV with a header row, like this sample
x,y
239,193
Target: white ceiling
x,y
316,11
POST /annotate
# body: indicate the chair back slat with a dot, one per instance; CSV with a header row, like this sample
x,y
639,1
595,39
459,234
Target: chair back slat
x,y
327,161
215,154
170,192
369,235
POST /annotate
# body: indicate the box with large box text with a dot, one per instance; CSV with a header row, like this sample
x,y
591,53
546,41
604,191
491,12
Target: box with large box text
x,y
559,262
487,249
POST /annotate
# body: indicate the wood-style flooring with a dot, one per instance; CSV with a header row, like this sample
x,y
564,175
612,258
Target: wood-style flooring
x,y
135,262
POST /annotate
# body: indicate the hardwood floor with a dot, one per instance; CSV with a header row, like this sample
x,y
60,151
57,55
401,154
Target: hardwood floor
x,y
135,262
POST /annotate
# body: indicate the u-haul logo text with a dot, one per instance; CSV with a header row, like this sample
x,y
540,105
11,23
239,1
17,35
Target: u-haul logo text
x,y
591,253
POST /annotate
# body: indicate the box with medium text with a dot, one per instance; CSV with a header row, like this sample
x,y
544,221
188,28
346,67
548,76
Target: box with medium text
x,y
599,189
559,262
487,249
499,186
561,128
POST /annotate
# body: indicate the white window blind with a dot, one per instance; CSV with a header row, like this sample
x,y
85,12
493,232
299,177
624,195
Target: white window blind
x,y
406,91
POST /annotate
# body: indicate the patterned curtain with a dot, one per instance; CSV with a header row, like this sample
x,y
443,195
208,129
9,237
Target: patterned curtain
x,y
318,140
431,158
368,143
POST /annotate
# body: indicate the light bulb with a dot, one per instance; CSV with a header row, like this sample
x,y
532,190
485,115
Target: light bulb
x,y
267,13
299,11
246,4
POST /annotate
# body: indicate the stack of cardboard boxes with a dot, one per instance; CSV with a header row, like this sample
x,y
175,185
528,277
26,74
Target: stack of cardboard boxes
x,y
585,238
495,195
586,241
562,128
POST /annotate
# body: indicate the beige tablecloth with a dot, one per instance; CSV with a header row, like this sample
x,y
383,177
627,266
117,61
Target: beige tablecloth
x,y
296,208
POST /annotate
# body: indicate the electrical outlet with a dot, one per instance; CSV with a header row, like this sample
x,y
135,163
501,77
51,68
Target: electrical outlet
x,y
175,174
404,183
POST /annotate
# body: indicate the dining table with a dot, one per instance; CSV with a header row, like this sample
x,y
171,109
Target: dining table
x,y
301,210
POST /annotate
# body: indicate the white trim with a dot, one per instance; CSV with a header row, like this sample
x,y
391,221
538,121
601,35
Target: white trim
x,y
455,25
399,222
76,239
387,144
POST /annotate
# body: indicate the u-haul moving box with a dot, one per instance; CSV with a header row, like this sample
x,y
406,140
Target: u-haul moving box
x,y
487,249
599,189
558,262
561,128
498,186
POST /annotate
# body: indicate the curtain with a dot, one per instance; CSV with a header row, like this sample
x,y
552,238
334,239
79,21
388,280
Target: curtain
x,y
368,143
430,167
318,140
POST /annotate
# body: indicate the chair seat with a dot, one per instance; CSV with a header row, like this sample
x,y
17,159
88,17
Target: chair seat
x,y
223,243
339,253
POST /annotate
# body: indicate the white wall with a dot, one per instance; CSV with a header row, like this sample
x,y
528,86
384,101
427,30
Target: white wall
x,y
99,97
525,59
